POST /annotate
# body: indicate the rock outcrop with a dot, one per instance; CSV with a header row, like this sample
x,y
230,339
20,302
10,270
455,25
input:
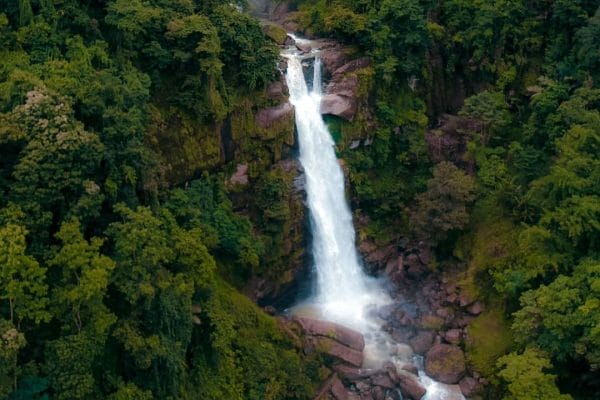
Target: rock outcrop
x,y
342,92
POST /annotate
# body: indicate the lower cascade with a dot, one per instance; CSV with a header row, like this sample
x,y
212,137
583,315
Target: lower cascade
x,y
343,292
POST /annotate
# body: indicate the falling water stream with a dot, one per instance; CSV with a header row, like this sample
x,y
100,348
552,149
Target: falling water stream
x,y
343,292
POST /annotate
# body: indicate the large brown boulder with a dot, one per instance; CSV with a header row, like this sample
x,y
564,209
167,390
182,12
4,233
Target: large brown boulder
x,y
339,105
265,118
409,384
340,333
337,350
445,363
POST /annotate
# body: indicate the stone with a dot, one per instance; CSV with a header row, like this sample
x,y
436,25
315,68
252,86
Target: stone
x,y
409,384
340,106
383,380
339,392
445,363
303,46
475,308
453,336
432,322
342,334
350,373
339,351
353,65
422,341
378,393
265,118
469,386
240,177
333,57
276,91
410,368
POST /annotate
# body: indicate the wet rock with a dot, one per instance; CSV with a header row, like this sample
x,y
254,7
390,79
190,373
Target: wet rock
x,y
464,300
339,333
383,380
469,386
380,256
339,351
409,384
303,46
350,373
453,393
422,342
267,117
410,368
445,363
378,393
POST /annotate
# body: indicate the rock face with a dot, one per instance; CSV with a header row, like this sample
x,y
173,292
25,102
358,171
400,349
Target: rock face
x,y
240,177
341,95
267,117
445,363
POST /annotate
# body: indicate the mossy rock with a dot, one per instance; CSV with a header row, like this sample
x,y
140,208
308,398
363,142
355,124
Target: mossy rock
x,y
276,33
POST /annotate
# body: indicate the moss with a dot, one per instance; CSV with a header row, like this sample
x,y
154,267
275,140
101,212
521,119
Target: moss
x,y
489,338
275,33
432,322
241,338
490,242
184,145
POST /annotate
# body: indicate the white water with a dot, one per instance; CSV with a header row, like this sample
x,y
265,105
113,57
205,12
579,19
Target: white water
x,y
344,293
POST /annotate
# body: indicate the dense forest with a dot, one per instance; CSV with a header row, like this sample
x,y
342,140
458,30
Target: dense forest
x,y
126,251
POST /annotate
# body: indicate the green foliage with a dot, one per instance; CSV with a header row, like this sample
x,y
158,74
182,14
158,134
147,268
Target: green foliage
x,y
443,207
525,376
490,110
22,279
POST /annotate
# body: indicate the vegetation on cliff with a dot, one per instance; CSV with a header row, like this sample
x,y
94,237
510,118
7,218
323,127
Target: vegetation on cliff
x,y
523,79
123,243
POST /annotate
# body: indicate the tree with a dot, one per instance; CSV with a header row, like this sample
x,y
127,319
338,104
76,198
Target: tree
x,y
11,341
85,275
22,280
490,110
562,317
443,207
525,377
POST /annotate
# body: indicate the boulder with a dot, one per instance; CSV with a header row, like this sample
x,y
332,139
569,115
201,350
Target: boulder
x,y
339,392
378,393
410,368
265,118
333,58
409,384
453,336
276,91
240,177
383,379
422,341
352,373
469,386
339,351
475,308
340,106
342,334
445,363
352,66
303,46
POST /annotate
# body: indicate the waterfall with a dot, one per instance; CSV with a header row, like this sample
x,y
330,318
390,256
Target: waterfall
x,y
343,290
343,293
